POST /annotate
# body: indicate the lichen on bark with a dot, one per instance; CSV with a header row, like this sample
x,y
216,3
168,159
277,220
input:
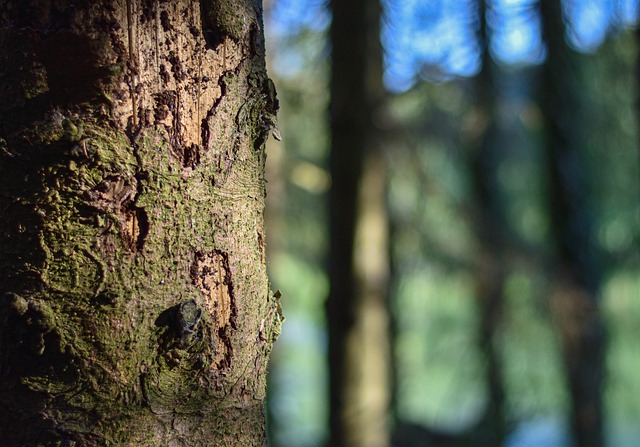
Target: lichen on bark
x,y
132,159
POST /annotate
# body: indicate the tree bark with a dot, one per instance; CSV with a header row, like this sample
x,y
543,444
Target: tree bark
x,y
134,303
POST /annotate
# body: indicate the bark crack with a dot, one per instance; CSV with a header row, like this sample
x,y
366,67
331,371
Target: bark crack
x,y
133,62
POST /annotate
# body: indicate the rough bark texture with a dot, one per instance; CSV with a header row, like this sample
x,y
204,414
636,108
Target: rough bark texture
x,y
575,301
358,253
134,301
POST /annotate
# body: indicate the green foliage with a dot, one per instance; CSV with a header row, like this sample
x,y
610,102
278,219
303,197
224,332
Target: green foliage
x,y
622,310
440,381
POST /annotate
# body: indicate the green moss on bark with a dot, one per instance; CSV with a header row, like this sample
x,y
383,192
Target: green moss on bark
x,y
105,233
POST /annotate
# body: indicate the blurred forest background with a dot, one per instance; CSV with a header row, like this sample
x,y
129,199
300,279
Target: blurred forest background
x,y
453,220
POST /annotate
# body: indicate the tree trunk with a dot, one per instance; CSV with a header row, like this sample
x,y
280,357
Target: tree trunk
x,y
491,227
358,251
575,301
134,302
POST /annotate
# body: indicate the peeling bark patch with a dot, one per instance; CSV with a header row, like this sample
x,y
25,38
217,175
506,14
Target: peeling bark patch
x,y
211,274
135,227
166,113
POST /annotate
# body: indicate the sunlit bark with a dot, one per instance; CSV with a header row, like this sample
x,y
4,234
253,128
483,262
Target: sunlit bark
x,y
135,308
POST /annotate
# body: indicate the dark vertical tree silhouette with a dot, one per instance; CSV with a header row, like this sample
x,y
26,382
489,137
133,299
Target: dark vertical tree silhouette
x,y
637,36
357,264
490,227
575,300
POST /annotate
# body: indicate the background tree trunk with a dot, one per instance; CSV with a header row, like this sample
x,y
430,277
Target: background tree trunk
x,y
491,229
357,308
575,299
134,301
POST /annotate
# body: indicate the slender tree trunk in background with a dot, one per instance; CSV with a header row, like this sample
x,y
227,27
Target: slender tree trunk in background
x,y
575,301
358,259
637,36
370,348
134,301
490,275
